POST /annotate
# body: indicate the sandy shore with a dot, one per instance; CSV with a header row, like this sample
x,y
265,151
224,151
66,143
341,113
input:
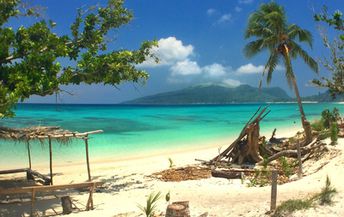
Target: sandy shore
x,y
128,184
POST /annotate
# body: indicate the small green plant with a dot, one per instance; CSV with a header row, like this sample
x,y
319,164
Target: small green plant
x,y
324,198
286,166
290,206
334,133
318,125
265,161
171,164
150,207
261,178
326,194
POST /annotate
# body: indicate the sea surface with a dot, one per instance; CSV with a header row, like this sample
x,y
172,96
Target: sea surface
x,y
132,130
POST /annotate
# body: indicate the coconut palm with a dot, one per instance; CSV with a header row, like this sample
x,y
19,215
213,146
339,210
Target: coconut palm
x,y
269,28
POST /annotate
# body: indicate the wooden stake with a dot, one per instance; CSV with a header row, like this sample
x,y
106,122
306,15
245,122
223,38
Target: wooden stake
x,y
29,152
299,174
87,159
51,161
273,190
33,195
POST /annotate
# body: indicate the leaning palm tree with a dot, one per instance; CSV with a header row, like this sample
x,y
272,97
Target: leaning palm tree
x,y
271,32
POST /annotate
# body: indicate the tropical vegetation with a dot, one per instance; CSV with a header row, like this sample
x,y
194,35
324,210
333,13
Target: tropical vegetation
x,y
35,60
335,63
271,32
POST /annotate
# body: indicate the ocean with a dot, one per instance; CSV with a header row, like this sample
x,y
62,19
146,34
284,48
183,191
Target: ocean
x,y
130,131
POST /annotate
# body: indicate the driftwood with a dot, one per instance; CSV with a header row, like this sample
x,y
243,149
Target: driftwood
x,y
246,147
311,147
231,173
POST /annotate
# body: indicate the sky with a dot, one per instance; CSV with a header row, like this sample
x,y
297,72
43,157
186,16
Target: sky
x,y
199,42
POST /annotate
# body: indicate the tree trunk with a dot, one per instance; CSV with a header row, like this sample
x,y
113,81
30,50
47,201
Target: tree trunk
x,y
305,124
178,209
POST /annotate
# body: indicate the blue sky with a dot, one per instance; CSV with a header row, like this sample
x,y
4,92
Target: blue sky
x,y
200,42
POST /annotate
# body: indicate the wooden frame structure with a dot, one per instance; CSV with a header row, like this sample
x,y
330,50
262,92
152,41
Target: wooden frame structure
x,y
50,134
48,180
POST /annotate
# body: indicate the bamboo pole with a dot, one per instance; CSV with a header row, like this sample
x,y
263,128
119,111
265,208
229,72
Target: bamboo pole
x,y
29,152
50,161
87,158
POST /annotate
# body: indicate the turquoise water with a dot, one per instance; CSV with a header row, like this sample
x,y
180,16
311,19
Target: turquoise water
x,y
131,130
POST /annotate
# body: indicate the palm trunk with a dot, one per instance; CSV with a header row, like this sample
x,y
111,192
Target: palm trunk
x,y
305,124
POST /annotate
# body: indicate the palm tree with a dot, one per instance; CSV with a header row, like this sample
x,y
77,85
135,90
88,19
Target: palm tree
x,y
269,28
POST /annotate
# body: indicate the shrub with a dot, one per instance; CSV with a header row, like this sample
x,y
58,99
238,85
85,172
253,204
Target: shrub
x,y
326,194
318,125
286,166
289,206
334,133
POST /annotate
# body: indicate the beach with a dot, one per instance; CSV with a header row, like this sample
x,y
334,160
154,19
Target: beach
x,y
128,179
129,182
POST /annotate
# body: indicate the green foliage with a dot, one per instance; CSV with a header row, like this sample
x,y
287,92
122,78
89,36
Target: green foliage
x,y
334,130
335,63
171,164
328,117
269,27
325,197
261,178
271,32
318,125
30,55
150,207
287,167
289,206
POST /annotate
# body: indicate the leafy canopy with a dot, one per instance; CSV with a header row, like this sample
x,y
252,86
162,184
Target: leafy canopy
x,y
269,28
335,64
30,56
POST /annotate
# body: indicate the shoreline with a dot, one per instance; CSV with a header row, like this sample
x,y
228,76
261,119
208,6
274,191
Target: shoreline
x,y
210,145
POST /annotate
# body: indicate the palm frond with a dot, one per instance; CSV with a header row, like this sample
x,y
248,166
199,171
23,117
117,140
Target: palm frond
x,y
298,51
150,207
270,66
254,47
294,31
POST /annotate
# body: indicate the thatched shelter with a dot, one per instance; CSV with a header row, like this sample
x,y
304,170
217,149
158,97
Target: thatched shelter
x,y
40,133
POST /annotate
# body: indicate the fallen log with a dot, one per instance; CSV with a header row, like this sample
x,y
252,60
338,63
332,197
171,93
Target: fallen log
x,y
226,174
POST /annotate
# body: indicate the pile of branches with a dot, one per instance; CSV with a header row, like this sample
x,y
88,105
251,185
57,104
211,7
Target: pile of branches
x,y
251,149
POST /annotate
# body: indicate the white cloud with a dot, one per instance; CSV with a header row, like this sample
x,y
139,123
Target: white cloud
x,y
250,69
237,9
245,1
211,11
186,67
169,51
225,18
231,82
214,70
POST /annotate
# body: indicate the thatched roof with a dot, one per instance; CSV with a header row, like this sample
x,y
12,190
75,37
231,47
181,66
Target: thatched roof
x,y
41,133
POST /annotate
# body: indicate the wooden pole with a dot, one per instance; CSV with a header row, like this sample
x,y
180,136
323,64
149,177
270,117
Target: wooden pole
x,y
299,174
29,152
273,190
87,158
33,195
50,161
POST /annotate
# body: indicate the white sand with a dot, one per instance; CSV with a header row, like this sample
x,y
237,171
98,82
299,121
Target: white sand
x,y
128,185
